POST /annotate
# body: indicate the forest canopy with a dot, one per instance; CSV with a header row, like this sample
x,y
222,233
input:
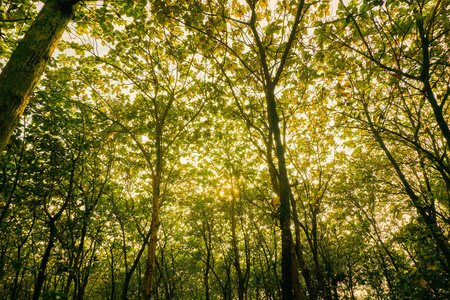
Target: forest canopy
x,y
204,149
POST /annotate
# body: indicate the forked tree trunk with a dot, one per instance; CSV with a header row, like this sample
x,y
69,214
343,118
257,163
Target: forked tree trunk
x,y
270,83
28,61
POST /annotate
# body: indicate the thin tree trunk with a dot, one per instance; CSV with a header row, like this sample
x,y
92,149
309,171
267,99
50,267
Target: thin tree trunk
x,y
315,251
44,261
16,180
350,280
129,274
76,262
273,120
151,254
85,278
299,253
387,275
421,208
163,272
156,185
113,277
27,63
237,264
207,240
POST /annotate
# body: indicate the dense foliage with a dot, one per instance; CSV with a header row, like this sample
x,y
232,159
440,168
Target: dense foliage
x,y
232,150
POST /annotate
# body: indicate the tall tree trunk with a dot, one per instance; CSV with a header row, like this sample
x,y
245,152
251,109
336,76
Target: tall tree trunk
x,y
28,61
52,226
285,220
154,227
270,82
113,277
84,279
18,282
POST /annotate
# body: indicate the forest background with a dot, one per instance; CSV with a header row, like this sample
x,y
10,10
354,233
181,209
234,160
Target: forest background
x,y
225,150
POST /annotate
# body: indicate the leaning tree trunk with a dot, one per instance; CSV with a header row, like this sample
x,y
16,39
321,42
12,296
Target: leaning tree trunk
x,y
129,274
28,61
422,210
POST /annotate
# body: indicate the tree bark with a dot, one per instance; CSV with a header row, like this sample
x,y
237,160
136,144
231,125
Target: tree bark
x,y
154,227
27,63
151,256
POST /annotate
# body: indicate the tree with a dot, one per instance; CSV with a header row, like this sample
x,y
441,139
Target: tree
x,y
27,63
266,63
150,161
394,75
166,107
56,209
